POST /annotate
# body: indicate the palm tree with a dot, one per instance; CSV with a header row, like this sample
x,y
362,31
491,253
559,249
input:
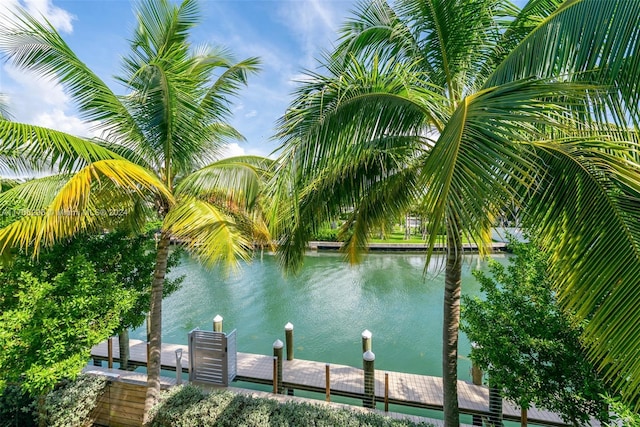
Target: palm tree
x,y
158,154
468,108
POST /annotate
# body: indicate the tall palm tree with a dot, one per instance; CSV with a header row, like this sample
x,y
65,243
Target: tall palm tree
x,y
469,108
158,153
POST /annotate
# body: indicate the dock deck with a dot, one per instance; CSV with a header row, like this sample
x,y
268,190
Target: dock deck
x,y
413,390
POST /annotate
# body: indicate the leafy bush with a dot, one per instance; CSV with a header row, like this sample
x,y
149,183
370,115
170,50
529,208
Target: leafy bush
x,y
621,414
189,406
48,326
71,404
17,408
53,309
327,235
529,347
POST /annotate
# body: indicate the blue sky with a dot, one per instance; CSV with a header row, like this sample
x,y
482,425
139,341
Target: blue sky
x,y
287,36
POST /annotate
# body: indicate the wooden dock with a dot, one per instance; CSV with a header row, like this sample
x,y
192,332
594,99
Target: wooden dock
x,y
420,391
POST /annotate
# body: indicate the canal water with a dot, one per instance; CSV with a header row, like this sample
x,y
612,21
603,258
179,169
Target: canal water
x,y
330,304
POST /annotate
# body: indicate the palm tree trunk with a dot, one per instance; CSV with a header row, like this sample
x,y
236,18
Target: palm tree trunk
x,y
451,324
155,328
123,344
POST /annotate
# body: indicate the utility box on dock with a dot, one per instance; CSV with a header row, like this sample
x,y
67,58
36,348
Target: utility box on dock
x,y
212,357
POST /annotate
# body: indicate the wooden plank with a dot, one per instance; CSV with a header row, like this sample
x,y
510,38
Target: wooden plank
x,y
126,396
121,404
115,416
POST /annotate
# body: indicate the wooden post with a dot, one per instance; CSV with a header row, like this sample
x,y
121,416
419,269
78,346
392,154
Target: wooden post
x,y
476,377
217,323
495,406
288,334
366,340
386,392
179,366
368,359
277,353
327,383
110,353
275,375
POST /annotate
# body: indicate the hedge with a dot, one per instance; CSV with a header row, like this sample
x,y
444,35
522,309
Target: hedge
x,y
189,406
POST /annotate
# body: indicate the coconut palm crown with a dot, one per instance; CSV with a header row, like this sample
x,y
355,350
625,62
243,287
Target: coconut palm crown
x,y
467,109
158,154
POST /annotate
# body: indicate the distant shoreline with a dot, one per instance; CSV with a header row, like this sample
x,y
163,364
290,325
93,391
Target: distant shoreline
x,y
403,247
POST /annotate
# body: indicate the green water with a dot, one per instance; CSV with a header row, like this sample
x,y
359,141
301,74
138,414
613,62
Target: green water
x,y
329,303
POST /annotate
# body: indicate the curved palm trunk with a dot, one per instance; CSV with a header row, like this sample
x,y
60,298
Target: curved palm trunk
x,y
451,325
155,325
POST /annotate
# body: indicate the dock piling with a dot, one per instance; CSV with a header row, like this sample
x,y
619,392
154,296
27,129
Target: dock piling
x,y
277,353
368,359
288,333
476,379
179,366
366,340
327,383
148,321
386,392
110,353
217,323
275,375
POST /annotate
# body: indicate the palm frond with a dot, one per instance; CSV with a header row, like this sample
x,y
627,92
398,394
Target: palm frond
x,y
209,232
38,147
58,207
590,40
31,45
587,209
238,180
343,137
179,95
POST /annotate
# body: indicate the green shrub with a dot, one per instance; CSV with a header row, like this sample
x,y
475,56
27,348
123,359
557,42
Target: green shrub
x,y
621,414
190,406
327,235
17,408
71,404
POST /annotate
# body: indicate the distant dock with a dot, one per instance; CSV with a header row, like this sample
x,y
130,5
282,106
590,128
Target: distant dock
x,y
405,247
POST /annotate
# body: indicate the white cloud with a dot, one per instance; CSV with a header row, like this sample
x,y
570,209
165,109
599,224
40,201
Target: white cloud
x,y
232,150
59,120
35,89
251,114
42,102
58,17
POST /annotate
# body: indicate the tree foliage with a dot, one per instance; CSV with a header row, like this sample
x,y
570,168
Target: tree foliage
x,y
528,346
130,259
49,323
75,295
